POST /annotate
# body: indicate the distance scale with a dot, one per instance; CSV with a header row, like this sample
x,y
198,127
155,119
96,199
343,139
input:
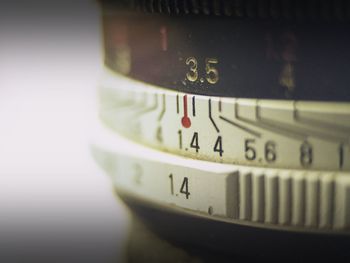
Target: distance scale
x,y
293,197
267,133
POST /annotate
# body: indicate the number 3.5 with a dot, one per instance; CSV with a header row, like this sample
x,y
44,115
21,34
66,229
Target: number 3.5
x,y
212,74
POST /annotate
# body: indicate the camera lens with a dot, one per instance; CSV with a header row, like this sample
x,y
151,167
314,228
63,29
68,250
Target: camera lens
x,y
225,124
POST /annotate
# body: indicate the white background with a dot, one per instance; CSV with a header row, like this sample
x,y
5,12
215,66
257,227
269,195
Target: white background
x,y
53,198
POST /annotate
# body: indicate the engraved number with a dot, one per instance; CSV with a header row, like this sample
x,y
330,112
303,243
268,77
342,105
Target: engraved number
x,y
171,184
180,138
192,75
270,152
250,152
218,146
194,142
184,188
306,154
212,73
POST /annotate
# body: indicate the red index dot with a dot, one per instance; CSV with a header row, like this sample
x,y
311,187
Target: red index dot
x,y
185,121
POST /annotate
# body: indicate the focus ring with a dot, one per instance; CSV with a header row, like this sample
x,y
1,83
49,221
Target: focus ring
x,y
261,9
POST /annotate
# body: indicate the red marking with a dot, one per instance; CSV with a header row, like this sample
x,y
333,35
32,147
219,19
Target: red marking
x,y
118,35
163,38
185,121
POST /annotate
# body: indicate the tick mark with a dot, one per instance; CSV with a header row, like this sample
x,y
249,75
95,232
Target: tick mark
x,y
186,149
194,106
177,104
185,121
163,108
211,118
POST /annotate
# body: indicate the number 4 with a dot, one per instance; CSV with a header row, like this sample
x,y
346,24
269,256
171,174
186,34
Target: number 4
x,y
194,142
184,188
218,146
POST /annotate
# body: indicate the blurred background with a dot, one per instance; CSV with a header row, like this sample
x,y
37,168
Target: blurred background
x,y
55,203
